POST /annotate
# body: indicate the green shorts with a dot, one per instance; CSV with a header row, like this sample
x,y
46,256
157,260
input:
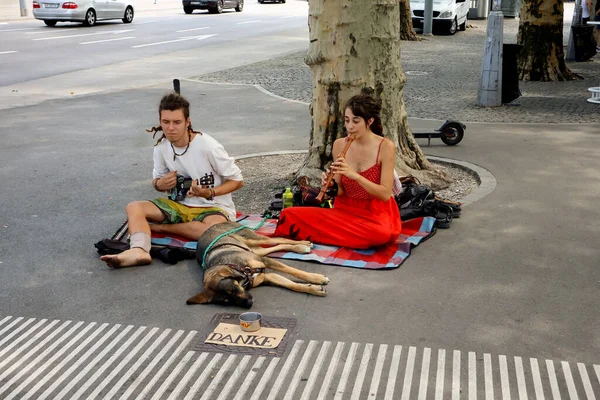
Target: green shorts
x,y
176,213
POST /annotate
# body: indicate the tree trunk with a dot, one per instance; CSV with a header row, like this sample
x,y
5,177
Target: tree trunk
x,y
407,32
356,44
541,34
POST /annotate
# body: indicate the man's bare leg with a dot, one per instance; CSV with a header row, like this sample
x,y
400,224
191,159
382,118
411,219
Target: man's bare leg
x,y
189,230
138,215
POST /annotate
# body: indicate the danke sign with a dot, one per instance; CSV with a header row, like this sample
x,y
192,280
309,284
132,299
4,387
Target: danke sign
x,y
233,335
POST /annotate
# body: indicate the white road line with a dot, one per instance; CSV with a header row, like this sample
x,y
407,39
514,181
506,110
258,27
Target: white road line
x,y
439,380
24,336
410,364
145,22
6,328
39,335
63,362
552,379
424,373
3,23
224,395
53,31
108,40
290,16
125,377
249,22
8,52
17,29
339,393
249,378
188,375
331,370
19,329
84,34
202,37
40,357
456,375
193,29
264,380
5,319
537,379
362,371
310,383
377,371
569,378
217,379
176,371
182,346
209,369
80,361
284,371
521,385
489,381
585,379
472,376
300,370
159,357
597,369
393,375
107,364
504,381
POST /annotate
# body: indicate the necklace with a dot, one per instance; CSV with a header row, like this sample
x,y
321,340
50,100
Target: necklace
x,y
175,155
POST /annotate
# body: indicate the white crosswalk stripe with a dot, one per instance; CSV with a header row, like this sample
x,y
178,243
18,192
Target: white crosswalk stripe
x,y
52,359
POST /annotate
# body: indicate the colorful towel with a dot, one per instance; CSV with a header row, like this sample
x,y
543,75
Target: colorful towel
x,y
390,256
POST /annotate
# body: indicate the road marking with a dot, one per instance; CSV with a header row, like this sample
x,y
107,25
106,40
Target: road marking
x,y
17,29
3,23
378,370
53,31
84,34
145,22
408,374
290,16
424,373
202,37
193,29
310,383
300,370
456,375
331,370
7,52
108,40
439,381
339,393
249,22
391,384
249,378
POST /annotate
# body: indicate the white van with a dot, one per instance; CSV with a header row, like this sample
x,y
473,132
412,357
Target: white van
x,y
448,15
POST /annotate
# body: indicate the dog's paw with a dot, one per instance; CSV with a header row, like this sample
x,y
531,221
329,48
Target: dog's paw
x,y
321,279
318,290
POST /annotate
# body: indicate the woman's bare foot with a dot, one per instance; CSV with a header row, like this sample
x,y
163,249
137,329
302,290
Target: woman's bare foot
x,y
128,258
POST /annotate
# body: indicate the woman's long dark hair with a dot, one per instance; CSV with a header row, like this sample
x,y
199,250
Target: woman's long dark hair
x,y
172,102
366,106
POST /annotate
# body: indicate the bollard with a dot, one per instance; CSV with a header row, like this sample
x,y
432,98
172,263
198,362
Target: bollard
x,y
490,87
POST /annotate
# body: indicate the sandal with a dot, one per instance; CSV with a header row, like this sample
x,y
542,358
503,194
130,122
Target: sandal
x,y
443,216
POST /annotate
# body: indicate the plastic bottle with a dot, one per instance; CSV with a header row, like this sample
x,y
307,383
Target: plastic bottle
x,y
288,198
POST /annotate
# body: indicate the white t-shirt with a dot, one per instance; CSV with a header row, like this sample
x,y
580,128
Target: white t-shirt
x,y
204,156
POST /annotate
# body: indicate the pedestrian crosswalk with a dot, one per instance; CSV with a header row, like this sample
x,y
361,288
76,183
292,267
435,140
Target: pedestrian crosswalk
x,y
53,359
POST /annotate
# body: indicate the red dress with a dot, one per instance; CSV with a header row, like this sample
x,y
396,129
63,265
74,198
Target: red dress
x,y
357,220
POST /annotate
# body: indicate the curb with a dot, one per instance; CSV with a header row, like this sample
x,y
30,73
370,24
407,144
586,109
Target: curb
x,y
487,181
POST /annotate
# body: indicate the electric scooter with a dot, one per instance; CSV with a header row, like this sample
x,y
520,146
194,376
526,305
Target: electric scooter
x,y
451,132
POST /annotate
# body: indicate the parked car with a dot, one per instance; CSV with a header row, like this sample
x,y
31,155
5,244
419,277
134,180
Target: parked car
x,y
448,15
86,11
213,6
275,1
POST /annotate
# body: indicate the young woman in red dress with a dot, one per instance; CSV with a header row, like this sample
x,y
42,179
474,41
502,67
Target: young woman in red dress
x,y
365,213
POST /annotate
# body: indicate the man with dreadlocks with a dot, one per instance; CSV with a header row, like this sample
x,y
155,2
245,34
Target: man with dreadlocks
x,y
180,153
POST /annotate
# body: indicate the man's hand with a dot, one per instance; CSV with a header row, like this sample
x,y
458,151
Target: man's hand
x,y
199,191
167,182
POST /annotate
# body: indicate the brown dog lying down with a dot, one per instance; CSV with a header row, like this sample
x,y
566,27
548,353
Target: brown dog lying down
x,y
236,263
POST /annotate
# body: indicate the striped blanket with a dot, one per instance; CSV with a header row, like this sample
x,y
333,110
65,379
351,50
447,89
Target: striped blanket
x,y
389,256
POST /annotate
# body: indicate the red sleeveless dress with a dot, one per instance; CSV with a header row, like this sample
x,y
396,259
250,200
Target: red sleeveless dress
x,y
357,220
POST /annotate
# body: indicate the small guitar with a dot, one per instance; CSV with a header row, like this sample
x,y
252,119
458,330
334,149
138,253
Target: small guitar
x,y
179,192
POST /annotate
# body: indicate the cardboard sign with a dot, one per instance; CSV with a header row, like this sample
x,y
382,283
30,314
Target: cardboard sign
x,y
233,335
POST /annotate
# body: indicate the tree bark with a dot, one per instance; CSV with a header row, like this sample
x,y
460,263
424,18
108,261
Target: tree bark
x,y
356,44
541,34
407,31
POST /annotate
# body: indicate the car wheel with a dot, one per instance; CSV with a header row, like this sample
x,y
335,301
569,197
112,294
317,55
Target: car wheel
x,y
188,10
463,26
218,9
90,18
453,27
240,6
49,22
282,1
261,1
128,17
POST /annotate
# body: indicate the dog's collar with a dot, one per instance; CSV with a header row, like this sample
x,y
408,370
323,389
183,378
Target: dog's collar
x,y
249,273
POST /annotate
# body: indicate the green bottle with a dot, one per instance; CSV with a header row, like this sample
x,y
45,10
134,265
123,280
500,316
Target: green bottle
x,y
288,198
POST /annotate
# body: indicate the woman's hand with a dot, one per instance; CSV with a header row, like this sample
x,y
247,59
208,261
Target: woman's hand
x,y
198,191
325,174
339,166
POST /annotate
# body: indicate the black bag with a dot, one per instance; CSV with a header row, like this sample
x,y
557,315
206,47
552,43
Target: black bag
x,y
415,201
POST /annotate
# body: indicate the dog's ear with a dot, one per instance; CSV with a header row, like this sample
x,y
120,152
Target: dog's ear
x,y
201,298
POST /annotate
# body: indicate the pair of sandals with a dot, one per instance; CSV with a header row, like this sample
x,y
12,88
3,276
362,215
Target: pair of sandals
x,y
444,212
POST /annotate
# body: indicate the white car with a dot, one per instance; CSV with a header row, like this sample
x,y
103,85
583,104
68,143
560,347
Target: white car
x,y
448,15
86,11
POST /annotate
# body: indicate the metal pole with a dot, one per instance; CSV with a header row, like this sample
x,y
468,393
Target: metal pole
x,y
23,7
428,17
576,21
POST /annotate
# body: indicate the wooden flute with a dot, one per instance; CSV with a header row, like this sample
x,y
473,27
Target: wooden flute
x,y
324,187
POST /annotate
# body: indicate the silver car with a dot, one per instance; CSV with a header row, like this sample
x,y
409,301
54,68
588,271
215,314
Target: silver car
x,y
86,11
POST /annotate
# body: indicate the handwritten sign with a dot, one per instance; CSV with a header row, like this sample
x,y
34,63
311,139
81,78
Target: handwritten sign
x,y
233,335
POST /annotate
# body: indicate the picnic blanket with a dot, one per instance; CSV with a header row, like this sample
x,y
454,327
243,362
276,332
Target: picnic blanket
x,y
390,256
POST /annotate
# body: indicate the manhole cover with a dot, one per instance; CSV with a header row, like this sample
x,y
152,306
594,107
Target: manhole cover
x,y
268,322
416,73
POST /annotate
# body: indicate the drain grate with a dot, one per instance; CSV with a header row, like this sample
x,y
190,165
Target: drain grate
x,y
267,322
